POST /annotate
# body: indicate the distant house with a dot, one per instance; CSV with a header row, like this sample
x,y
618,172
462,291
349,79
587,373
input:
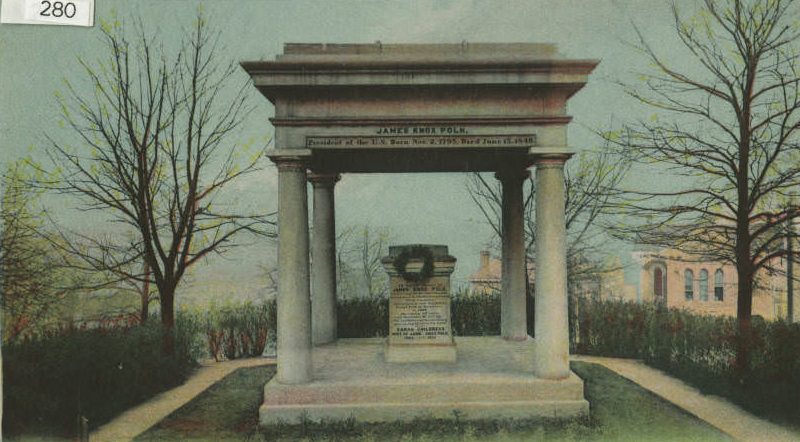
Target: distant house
x,y
487,279
676,279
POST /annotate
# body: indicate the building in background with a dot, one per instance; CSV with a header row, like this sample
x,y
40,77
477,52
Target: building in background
x,y
666,277
680,280
487,279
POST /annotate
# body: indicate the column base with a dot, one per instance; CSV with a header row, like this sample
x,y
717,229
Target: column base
x,y
516,338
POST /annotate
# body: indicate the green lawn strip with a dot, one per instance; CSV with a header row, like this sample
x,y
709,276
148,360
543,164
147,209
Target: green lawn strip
x,y
621,410
228,410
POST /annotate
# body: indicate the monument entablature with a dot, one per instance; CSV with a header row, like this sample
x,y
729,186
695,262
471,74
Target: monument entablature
x,y
363,108
420,108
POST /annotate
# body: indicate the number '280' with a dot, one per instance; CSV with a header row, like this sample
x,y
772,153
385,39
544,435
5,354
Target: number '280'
x,y
57,9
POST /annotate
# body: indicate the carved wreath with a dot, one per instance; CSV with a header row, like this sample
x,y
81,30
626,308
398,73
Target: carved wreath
x,y
423,253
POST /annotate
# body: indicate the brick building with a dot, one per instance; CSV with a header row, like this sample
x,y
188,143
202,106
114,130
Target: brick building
x,y
707,286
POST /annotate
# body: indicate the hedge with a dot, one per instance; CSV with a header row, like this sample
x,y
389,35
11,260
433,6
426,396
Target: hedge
x,y
699,350
97,373
362,317
472,314
238,331
50,380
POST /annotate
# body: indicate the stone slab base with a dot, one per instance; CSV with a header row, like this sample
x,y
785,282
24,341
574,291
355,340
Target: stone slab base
x,y
491,379
391,412
401,354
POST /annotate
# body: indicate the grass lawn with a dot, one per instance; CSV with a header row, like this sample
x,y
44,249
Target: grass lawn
x,y
620,410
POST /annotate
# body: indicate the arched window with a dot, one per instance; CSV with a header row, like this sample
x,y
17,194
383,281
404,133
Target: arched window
x,y
719,292
703,281
658,285
688,278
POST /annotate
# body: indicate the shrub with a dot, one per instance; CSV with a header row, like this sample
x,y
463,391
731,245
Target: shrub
x,y
238,331
51,380
475,314
472,314
362,317
699,350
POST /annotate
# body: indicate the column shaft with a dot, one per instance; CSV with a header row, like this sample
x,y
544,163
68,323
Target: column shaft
x,y
294,303
323,261
551,329
513,298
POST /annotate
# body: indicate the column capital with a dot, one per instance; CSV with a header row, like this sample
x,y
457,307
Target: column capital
x,y
319,179
551,161
290,159
512,175
294,165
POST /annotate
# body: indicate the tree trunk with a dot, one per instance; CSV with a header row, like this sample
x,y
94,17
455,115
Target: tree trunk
x,y
145,295
167,296
744,302
744,263
790,274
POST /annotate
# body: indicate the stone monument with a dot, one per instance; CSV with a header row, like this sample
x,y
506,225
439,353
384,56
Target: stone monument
x,y
342,109
419,304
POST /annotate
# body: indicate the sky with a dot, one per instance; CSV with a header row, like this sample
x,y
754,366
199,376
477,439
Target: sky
x,y
415,208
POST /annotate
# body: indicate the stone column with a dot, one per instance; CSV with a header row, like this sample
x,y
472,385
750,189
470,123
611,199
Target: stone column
x,y
323,260
513,321
551,328
294,301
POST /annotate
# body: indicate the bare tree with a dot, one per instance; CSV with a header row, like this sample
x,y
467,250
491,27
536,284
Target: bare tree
x,y
105,263
725,126
153,151
358,261
28,271
346,270
591,180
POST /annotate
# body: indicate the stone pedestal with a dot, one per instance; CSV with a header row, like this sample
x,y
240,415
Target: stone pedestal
x,y
419,304
492,379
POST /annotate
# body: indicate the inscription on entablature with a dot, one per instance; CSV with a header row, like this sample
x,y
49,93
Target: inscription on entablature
x,y
420,141
422,130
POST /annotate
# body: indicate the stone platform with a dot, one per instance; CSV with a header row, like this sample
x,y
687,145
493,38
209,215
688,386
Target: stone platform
x,y
492,378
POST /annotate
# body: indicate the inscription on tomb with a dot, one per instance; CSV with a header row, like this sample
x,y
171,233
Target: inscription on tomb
x,y
420,312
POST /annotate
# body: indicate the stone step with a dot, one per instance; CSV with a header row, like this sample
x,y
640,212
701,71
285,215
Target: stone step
x,y
424,392
391,411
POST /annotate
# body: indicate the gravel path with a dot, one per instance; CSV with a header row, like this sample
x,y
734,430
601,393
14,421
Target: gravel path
x,y
718,412
138,419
